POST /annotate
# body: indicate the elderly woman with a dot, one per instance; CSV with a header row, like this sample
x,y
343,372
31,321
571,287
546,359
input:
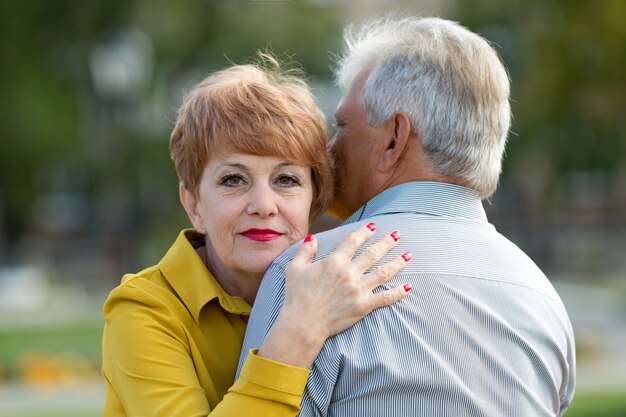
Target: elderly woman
x,y
249,148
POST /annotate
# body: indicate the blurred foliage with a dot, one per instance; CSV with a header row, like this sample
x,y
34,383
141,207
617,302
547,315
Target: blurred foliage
x,y
71,155
78,164
566,59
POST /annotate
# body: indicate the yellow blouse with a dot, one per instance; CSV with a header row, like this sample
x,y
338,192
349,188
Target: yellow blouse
x,y
171,344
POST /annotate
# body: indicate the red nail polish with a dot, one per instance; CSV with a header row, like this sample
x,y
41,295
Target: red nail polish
x,y
408,287
371,226
308,238
395,236
406,256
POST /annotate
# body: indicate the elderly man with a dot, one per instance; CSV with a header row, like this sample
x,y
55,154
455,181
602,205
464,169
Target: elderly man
x,y
421,132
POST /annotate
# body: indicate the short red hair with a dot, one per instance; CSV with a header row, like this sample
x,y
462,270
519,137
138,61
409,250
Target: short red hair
x,y
254,110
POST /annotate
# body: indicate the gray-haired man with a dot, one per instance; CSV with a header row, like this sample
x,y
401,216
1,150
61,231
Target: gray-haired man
x,y
420,136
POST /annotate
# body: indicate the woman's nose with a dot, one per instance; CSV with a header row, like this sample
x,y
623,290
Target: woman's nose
x,y
262,201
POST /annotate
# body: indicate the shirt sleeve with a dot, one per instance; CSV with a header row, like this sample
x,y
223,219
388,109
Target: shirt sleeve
x,y
146,357
568,389
147,363
265,388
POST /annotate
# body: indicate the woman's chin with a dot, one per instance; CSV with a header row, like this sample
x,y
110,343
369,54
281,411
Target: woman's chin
x,y
259,259
257,264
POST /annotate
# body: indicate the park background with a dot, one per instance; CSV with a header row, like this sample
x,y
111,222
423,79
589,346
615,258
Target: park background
x,y
89,92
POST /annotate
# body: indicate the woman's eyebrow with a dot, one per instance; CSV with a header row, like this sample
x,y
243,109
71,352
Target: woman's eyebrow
x,y
233,165
284,164
243,167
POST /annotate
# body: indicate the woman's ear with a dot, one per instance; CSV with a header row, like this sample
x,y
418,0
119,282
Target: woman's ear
x,y
190,204
398,132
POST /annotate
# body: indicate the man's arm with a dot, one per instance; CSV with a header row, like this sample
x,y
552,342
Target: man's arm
x,y
567,391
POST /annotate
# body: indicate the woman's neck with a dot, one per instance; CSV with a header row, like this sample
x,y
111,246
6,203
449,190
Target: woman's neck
x,y
235,282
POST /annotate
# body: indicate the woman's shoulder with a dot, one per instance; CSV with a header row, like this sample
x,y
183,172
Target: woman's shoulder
x,y
142,309
147,289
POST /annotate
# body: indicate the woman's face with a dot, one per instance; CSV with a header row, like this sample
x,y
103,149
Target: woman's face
x,y
252,208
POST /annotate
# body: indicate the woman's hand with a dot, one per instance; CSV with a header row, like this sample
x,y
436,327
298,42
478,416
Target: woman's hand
x,y
334,293
328,296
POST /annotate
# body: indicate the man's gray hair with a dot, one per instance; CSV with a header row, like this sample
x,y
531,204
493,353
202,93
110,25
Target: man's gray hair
x,y
448,80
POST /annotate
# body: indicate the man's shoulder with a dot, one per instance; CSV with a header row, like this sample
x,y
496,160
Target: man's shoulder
x,y
327,241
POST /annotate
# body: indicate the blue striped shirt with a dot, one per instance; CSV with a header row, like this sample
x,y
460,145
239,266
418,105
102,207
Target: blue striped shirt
x,y
483,333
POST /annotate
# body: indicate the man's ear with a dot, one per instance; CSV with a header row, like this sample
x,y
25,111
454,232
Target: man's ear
x,y
190,204
398,132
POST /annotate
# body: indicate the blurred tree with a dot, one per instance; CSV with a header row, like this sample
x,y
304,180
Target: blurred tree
x,y
80,158
565,165
63,137
566,59
43,56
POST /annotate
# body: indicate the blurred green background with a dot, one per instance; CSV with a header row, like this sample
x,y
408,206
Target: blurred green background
x,y
87,190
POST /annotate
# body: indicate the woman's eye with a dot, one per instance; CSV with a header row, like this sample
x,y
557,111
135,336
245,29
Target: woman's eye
x,y
288,181
232,180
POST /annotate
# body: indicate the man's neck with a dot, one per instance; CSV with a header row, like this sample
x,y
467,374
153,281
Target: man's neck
x,y
342,210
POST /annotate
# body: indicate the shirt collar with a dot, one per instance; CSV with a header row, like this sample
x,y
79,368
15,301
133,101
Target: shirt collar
x,y
194,284
424,197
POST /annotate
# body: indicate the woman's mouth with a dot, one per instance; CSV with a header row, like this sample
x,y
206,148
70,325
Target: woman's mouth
x,y
261,235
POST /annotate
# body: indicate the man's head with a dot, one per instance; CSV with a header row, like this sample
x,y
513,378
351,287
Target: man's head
x,y
450,87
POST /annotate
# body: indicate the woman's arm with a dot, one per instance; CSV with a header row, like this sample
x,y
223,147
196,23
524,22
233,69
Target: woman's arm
x,y
149,369
146,357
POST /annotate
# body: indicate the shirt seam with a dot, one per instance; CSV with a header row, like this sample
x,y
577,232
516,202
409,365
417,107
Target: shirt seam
x,y
516,284
363,209
281,264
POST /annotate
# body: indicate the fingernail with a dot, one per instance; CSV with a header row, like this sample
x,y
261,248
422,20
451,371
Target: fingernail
x,y
308,238
406,256
371,226
408,287
395,235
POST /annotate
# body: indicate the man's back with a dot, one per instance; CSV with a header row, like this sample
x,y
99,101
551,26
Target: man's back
x,y
482,334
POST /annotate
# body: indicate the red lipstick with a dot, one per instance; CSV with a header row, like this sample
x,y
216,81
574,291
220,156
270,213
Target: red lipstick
x,y
261,235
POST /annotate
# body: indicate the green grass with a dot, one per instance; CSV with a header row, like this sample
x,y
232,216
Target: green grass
x,y
84,338
601,404
79,338
59,413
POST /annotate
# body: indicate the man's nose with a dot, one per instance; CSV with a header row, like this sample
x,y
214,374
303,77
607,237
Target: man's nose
x,y
262,201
